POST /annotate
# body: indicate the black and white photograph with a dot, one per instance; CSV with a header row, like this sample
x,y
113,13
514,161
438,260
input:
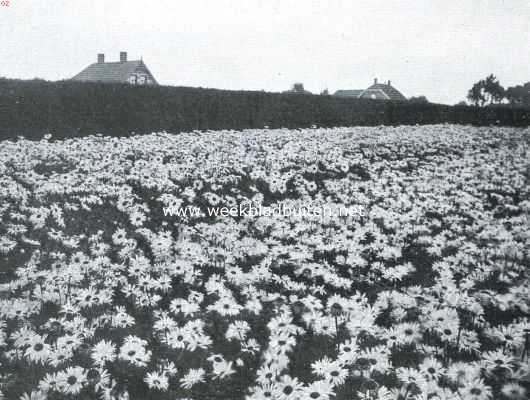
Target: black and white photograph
x,y
265,200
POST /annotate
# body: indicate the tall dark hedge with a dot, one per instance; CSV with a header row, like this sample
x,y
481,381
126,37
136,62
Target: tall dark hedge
x,y
69,109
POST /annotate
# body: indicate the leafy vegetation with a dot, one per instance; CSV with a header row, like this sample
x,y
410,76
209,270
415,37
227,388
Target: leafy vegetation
x,y
486,91
71,109
489,91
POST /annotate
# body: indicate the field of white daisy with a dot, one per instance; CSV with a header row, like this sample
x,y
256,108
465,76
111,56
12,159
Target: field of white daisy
x,y
425,296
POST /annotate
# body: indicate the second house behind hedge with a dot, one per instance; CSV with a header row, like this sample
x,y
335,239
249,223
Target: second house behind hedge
x,y
378,91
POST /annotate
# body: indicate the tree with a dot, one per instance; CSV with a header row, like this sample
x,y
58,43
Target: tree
x,y
493,89
519,95
487,90
419,100
476,95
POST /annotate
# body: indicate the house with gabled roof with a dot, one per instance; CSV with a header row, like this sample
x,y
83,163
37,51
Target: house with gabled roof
x,y
134,72
378,91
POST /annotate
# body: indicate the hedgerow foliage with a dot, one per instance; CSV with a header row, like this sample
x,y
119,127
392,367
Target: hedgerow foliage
x,y
70,109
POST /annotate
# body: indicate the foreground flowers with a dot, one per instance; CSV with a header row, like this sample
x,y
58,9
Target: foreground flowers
x,y
424,296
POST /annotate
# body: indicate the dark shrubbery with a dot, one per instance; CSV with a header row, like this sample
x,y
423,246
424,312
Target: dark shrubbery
x,y
69,109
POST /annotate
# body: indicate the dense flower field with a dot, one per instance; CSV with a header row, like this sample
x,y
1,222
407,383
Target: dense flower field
x,y
426,296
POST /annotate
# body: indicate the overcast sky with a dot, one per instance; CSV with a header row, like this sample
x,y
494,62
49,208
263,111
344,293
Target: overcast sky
x,y
436,48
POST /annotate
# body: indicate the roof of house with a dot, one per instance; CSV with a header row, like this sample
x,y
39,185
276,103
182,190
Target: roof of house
x,y
378,91
111,71
377,94
389,90
348,93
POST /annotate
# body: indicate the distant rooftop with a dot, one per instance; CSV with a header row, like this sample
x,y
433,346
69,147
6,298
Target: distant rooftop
x,y
348,93
135,71
378,91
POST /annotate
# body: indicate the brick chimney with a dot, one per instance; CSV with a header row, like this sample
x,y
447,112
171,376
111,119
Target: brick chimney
x,y
389,83
123,56
101,58
375,81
